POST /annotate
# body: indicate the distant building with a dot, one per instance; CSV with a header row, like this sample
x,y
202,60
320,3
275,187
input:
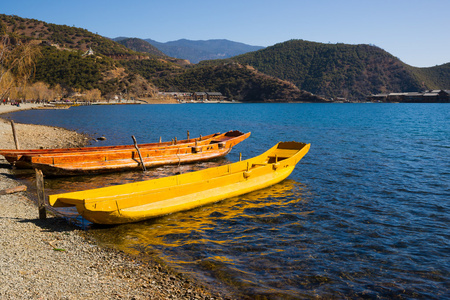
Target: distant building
x,y
430,96
181,96
215,96
194,97
200,96
89,52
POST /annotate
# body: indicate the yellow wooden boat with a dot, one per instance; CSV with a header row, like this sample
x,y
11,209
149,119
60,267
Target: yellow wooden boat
x,y
139,201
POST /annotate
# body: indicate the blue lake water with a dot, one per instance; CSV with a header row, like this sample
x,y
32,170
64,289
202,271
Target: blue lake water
x,y
365,214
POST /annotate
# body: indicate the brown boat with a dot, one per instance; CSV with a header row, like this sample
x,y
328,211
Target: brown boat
x,y
22,158
86,162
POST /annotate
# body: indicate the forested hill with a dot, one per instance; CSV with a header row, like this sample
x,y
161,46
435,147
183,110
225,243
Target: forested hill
x,y
437,77
342,70
237,82
64,66
139,45
63,36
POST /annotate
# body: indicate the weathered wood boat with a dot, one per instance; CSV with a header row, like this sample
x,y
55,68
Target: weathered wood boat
x,y
96,162
22,158
139,201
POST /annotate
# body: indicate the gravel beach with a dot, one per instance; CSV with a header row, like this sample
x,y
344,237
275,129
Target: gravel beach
x,y
51,259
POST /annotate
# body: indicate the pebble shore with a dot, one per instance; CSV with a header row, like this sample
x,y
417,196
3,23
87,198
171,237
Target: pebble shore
x,y
51,259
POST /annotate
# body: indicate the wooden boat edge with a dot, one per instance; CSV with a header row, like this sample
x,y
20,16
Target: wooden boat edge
x,y
20,158
205,152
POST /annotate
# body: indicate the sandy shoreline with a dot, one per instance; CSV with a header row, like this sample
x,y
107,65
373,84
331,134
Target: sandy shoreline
x,y
51,259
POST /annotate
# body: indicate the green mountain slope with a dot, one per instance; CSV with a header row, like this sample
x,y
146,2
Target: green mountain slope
x,y
340,70
237,82
140,46
62,36
65,60
437,77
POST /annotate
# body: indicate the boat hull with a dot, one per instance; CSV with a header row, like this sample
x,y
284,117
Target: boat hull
x,y
148,199
184,202
22,158
97,162
130,164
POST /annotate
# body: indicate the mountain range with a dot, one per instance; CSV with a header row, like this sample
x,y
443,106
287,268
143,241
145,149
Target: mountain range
x,y
292,71
194,51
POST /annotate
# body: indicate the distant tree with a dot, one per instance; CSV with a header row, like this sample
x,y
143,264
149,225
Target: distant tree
x,y
38,91
92,95
58,92
17,63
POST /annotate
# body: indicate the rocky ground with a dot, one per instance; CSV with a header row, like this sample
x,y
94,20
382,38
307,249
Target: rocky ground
x,y
51,259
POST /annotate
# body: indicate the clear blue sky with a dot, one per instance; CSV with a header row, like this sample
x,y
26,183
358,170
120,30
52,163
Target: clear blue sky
x,y
415,31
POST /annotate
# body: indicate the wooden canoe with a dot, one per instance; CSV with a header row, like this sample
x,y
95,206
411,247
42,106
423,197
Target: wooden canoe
x,y
139,201
22,158
96,162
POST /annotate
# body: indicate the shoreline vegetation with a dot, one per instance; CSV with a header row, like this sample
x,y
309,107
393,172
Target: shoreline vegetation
x,y
52,259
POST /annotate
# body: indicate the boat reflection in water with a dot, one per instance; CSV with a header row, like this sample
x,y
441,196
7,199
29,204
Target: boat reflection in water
x,y
217,238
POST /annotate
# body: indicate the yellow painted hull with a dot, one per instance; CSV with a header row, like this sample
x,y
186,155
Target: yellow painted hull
x,y
148,199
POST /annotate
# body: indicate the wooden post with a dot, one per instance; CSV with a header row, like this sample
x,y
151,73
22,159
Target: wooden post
x,y
40,194
139,152
240,156
175,139
160,140
188,135
16,141
179,160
